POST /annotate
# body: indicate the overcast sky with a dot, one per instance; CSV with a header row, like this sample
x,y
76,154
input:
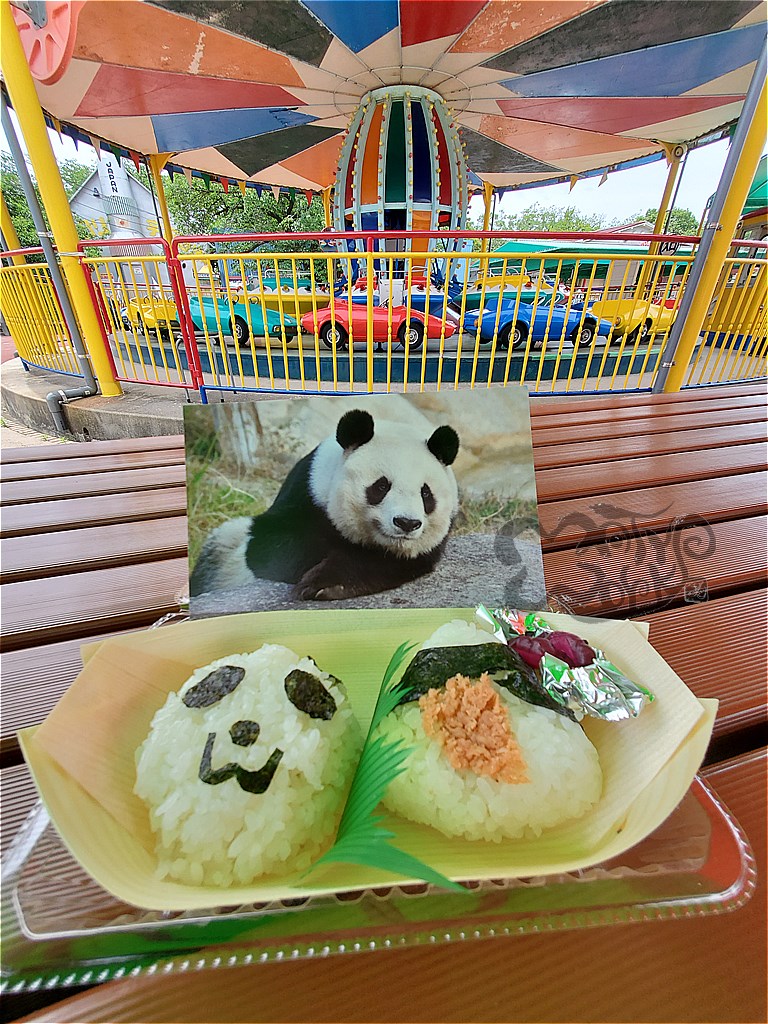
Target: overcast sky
x,y
620,197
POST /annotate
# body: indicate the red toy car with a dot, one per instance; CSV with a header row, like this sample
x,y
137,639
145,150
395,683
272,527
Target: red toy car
x,y
332,325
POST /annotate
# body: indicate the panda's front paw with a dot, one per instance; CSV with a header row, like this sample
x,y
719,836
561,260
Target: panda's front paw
x,y
335,593
316,585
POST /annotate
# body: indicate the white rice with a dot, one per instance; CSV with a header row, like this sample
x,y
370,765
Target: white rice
x,y
564,773
219,834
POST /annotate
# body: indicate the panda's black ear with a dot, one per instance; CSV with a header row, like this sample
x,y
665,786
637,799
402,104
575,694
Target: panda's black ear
x,y
355,429
444,445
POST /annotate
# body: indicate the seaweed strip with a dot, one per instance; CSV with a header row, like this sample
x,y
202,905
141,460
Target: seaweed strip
x,y
432,668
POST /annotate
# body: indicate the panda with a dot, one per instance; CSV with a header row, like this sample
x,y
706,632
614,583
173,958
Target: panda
x,y
369,509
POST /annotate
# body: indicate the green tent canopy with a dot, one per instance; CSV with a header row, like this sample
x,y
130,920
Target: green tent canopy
x,y
586,254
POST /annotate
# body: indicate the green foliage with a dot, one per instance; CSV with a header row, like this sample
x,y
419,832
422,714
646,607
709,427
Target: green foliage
x,y
17,202
679,221
73,174
360,839
542,218
197,209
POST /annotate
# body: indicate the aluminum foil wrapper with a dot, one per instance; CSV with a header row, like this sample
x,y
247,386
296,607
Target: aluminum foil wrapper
x,y
599,689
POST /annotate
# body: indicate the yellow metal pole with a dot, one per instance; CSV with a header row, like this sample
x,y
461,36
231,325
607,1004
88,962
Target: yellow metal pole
x,y
674,156
720,237
327,206
488,199
157,162
9,232
21,89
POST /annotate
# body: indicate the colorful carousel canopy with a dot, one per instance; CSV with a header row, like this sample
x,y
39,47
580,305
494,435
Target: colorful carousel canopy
x,y
265,90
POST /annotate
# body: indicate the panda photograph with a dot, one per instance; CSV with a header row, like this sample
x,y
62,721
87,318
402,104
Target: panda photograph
x,y
369,501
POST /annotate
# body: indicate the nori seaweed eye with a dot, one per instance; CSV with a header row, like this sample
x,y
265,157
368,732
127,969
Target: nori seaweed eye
x,y
244,733
308,694
216,685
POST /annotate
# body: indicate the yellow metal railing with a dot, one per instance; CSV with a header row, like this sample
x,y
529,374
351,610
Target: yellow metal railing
x,y
362,321
32,312
734,341
138,299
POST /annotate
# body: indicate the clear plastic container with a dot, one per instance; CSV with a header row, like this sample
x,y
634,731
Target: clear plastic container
x,y
60,928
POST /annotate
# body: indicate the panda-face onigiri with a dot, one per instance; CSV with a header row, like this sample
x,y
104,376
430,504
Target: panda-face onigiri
x,y
367,510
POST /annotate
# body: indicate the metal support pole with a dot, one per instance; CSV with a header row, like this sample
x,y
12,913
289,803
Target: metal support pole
x,y
56,398
21,89
156,162
735,181
488,199
674,155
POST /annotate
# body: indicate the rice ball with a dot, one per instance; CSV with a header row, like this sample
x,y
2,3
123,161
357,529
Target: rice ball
x,y
246,768
485,764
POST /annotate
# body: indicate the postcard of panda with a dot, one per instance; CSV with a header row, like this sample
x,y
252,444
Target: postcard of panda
x,y
372,501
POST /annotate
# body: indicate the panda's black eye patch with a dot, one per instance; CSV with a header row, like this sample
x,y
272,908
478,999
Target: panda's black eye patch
x,y
428,499
214,687
378,491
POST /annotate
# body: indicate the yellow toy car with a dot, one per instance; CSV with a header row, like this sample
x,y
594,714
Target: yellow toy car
x,y
634,318
155,313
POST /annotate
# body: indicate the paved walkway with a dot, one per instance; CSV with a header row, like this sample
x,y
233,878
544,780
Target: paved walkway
x,y
16,435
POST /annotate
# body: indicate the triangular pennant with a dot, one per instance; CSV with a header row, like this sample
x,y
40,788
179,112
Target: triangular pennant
x,y
96,143
115,151
241,186
292,192
309,196
188,175
206,179
574,179
224,184
136,159
276,192
258,191
170,171
604,177
57,126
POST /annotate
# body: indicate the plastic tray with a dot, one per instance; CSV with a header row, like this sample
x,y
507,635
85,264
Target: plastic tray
x,y
61,929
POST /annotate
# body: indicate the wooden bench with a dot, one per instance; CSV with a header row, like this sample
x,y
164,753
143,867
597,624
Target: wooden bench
x,y
709,968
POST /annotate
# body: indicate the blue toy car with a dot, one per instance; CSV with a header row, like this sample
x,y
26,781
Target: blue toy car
x,y
545,320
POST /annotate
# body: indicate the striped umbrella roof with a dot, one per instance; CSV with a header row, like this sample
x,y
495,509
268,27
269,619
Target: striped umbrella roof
x,y
265,90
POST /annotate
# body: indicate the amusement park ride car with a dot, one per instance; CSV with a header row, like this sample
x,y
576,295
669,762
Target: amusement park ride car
x,y
336,326
514,323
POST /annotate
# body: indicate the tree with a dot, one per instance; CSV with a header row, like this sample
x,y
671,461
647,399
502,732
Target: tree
x,y
679,221
543,218
73,174
198,209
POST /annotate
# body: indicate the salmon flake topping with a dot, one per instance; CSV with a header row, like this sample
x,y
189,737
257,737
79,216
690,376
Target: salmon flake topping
x,y
469,720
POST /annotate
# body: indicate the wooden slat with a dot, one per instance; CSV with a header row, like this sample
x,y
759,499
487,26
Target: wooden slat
x,y
33,681
581,520
700,968
567,429
631,447
123,481
624,474
45,516
89,464
623,412
630,576
543,405
43,452
720,649
62,607
52,554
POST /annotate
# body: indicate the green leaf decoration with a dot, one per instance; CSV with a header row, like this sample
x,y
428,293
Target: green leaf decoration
x,y
360,838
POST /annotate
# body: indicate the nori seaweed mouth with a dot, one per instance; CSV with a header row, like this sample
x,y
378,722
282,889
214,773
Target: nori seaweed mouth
x,y
431,669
